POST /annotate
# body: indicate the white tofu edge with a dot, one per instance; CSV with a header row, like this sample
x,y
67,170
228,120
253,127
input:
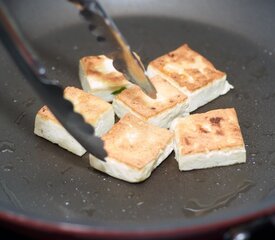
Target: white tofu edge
x,y
208,93
105,122
105,94
124,172
162,119
207,159
201,96
211,159
56,133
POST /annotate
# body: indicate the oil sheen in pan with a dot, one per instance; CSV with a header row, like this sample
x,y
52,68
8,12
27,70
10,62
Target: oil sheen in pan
x,y
195,208
79,194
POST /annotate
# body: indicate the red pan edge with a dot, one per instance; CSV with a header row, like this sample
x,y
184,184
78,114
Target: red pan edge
x,y
22,221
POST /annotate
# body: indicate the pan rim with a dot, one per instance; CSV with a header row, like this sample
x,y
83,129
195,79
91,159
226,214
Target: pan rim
x,y
177,227
169,228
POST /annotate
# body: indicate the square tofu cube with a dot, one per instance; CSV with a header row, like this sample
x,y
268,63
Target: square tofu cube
x,y
169,104
135,148
100,78
193,74
208,140
95,111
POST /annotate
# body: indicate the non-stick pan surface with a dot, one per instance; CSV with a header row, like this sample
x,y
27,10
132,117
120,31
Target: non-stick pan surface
x,y
41,181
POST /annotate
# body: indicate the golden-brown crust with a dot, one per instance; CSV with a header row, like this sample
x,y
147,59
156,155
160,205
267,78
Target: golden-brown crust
x,y
89,106
46,114
96,67
214,130
134,142
167,97
186,68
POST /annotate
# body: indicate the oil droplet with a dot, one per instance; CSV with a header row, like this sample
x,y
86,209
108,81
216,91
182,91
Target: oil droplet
x,y
41,70
67,203
131,195
6,147
195,208
20,159
7,168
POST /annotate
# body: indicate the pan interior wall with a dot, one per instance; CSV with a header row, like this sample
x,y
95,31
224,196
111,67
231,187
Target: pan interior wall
x,y
40,178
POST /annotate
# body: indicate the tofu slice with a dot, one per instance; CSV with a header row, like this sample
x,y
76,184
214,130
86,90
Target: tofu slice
x,y
193,74
95,111
208,140
135,148
100,78
169,104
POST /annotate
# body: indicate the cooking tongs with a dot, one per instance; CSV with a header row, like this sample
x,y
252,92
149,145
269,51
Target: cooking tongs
x,y
51,92
124,60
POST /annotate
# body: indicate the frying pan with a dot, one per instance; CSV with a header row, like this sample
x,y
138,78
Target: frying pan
x,y
53,193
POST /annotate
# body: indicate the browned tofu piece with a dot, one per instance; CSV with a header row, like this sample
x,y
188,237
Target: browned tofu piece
x,y
95,111
169,104
208,139
134,149
192,73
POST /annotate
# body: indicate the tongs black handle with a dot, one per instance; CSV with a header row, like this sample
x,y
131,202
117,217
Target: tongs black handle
x,y
49,90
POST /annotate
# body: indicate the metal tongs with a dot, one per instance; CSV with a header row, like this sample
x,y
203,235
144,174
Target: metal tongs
x,y
51,92
124,59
